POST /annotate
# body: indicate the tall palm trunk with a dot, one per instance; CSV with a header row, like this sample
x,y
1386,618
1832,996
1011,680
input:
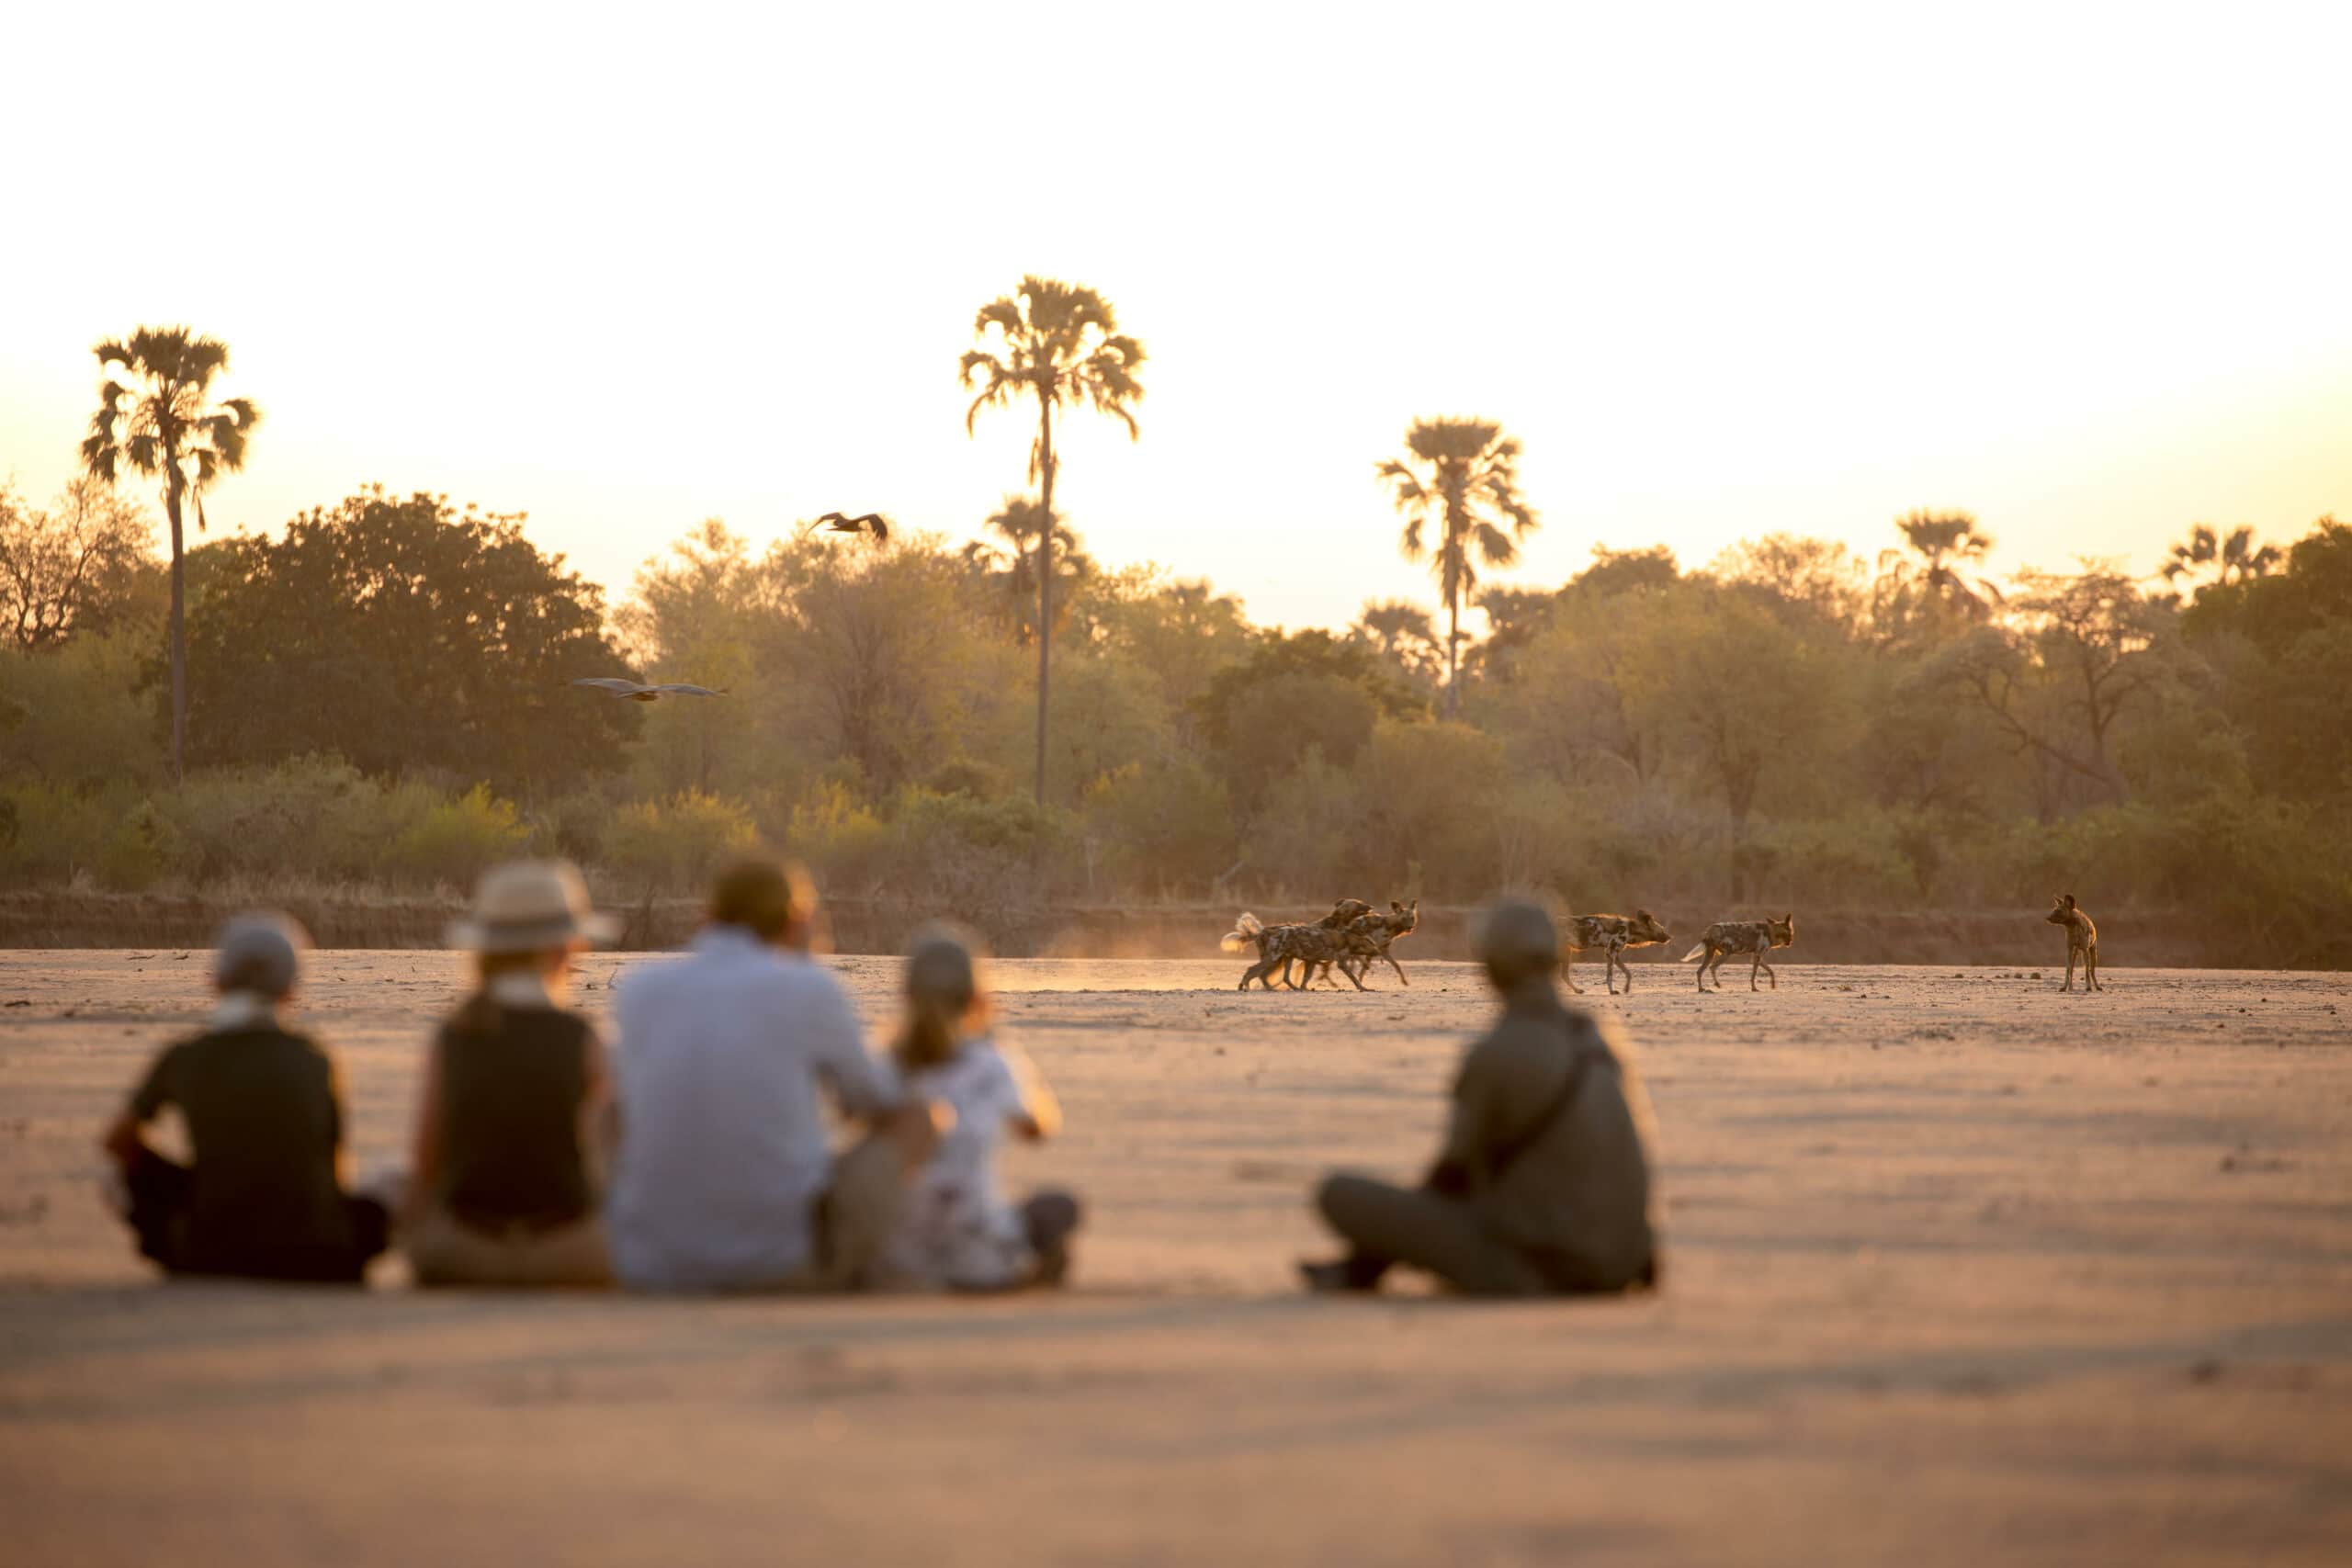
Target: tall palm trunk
x,y
1044,578
1453,653
1457,548
179,615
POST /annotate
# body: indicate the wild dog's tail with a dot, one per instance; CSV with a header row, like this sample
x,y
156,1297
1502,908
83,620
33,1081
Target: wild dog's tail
x,y
1245,933
1696,949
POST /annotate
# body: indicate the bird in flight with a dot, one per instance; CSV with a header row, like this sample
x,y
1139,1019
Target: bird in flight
x,y
637,692
872,523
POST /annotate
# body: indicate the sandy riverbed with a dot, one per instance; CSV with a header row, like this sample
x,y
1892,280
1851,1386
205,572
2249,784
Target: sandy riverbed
x,y
1961,1270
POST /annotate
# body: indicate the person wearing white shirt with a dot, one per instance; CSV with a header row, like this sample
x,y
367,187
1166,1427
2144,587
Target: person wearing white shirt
x,y
723,1175
957,1231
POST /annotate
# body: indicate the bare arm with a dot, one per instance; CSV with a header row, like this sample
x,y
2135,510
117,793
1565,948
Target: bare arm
x,y
599,1111
124,1139
1040,1114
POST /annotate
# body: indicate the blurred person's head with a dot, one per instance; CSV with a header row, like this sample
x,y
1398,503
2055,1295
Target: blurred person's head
x,y
947,999
260,953
530,916
1517,943
773,899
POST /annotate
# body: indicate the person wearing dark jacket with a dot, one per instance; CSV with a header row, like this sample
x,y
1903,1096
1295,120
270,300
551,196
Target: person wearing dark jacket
x,y
1542,1186
263,1196
505,1185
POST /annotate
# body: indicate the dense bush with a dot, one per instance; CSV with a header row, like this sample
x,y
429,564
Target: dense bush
x,y
676,845
1786,728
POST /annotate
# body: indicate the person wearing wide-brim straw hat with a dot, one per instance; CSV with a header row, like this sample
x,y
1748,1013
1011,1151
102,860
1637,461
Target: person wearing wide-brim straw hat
x,y
505,1188
532,907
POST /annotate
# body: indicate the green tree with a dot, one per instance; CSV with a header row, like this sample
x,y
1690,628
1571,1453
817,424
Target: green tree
x,y
1816,576
1460,478
1060,344
70,568
1750,705
882,659
155,415
2283,645
692,615
1181,633
403,635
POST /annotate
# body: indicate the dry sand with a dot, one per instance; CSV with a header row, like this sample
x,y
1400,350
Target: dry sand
x,y
1962,1271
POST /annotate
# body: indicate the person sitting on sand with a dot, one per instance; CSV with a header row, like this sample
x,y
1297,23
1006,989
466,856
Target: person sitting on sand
x,y
1542,1186
722,1177
503,1188
957,1229
264,1196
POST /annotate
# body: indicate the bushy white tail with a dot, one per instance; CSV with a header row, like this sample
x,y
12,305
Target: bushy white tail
x,y
1245,933
1696,950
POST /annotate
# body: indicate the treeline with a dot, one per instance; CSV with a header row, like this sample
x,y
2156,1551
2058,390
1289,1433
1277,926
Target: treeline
x,y
381,697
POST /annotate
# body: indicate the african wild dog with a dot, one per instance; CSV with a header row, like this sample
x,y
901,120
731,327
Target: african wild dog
x,y
2082,940
1726,937
1370,935
1278,946
1613,934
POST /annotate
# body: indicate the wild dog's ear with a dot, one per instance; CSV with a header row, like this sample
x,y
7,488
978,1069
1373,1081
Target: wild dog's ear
x,y
1642,914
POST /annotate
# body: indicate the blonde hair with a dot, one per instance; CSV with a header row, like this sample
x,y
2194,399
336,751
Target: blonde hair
x,y
943,992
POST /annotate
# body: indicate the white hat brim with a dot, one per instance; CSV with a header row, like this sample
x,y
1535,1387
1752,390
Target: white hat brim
x,y
532,936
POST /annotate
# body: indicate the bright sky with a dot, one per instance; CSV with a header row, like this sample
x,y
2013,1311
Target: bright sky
x,y
2080,270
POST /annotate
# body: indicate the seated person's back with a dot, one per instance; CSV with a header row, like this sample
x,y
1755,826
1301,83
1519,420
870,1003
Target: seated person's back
x,y
514,1077
723,1147
264,1128
262,1195
1576,1185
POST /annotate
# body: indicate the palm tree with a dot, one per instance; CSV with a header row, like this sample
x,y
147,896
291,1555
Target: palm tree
x,y
2235,559
1016,522
1467,477
1945,541
1402,634
155,415
1060,344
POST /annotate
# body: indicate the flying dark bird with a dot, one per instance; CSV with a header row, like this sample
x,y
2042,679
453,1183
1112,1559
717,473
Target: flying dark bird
x,y
872,523
637,693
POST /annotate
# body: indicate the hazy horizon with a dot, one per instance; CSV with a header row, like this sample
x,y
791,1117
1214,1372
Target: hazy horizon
x,y
1722,276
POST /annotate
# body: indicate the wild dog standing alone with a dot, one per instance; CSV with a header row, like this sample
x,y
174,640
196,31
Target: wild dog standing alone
x,y
1613,934
1726,937
2082,942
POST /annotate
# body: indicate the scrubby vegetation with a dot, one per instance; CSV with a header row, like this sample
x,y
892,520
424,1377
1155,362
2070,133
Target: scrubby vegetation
x,y
381,699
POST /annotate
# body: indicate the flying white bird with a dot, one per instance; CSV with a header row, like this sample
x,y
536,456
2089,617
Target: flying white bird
x,y
637,692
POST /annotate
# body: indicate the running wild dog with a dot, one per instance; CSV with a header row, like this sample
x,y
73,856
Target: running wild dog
x,y
1613,934
1277,945
1370,936
1726,937
2082,940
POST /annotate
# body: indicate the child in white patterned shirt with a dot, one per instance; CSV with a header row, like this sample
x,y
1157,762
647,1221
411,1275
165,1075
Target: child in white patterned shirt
x,y
957,1229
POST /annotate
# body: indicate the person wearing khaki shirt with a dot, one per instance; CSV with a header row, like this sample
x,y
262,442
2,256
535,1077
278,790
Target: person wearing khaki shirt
x,y
1542,1186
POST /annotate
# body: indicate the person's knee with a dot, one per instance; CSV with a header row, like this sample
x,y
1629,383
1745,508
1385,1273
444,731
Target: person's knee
x,y
1344,1201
